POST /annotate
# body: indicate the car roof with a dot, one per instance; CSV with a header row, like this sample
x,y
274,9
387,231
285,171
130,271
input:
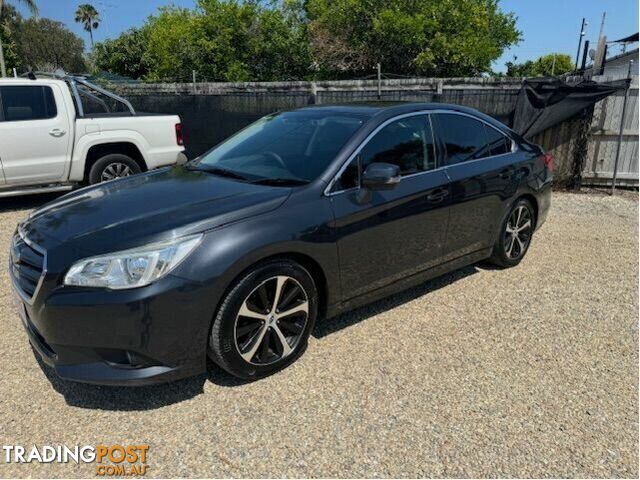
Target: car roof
x,y
386,109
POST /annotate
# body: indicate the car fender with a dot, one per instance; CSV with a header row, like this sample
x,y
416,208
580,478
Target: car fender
x,y
227,252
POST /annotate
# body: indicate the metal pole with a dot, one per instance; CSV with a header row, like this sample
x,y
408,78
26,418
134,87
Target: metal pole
x,y
604,15
584,24
379,81
621,131
584,56
553,65
3,69
193,75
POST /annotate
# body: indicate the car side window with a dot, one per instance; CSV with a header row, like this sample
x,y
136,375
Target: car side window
x,y
21,103
462,137
497,143
407,143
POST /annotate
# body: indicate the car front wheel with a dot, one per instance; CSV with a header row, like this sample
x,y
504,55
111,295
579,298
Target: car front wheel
x,y
264,322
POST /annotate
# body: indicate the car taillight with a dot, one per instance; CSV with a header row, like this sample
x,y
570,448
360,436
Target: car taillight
x,y
179,137
547,158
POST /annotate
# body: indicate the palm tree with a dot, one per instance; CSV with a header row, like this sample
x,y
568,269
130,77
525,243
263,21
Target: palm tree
x,y
89,17
33,8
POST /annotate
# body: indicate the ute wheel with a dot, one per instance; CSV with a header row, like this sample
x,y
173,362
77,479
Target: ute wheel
x,y
112,166
264,322
515,235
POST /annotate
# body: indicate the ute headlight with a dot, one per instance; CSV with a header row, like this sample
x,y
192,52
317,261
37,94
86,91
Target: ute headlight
x,y
131,268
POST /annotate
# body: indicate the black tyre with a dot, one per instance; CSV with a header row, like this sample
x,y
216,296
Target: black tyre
x,y
515,235
112,166
264,322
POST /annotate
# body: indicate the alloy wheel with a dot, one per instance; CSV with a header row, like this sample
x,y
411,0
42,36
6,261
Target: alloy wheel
x,y
271,320
518,232
115,170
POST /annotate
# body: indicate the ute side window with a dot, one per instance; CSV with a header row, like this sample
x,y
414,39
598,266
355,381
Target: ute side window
x,y
407,143
463,138
20,103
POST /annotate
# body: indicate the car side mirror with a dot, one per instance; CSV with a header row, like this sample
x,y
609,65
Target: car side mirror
x,y
381,176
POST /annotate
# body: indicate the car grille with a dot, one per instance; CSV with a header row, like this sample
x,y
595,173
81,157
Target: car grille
x,y
26,265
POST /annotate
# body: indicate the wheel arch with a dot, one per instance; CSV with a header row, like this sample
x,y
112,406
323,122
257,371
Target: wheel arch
x,y
305,261
534,203
96,152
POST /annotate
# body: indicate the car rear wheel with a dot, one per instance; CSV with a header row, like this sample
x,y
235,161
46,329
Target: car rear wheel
x,y
111,167
264,322
515,235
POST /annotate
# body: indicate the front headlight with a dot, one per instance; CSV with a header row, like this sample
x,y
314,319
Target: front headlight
x,y
131,268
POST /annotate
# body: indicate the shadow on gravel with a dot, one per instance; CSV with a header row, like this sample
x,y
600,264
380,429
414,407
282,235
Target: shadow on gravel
x,y
331,325
157,396
101,397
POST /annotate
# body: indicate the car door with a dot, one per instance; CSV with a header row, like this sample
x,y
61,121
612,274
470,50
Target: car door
x,y
478,161
34,134
392,233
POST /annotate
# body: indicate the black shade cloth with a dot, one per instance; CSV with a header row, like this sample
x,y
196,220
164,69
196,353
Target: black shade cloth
x,y
545,102
629,39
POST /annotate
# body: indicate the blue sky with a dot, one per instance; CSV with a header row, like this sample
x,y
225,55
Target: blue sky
x,y
547,25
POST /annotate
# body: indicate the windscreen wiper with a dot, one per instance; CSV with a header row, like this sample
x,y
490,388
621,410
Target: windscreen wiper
x,y
281,181
222,172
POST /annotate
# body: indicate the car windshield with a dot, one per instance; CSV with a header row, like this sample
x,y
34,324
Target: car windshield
x,y
284,148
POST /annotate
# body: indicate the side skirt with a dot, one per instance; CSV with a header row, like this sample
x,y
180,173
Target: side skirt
x,y
408,282
34,189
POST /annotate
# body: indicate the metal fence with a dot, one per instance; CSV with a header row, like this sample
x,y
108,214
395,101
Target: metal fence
x,y
213,111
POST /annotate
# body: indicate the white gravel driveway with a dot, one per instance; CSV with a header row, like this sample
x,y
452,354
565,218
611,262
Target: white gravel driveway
x,y
531,371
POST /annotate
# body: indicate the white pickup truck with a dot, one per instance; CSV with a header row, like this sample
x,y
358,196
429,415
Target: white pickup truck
x,y
60,131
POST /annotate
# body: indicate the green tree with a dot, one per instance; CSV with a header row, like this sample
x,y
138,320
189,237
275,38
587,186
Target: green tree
x,y
172,50
123,55
411,37
524,69
9,21
44,44
237,40
222,40
33,8
544,66
553,64
279,47
88,16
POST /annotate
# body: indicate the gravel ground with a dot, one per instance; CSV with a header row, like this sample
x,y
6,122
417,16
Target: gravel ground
x,y
529,372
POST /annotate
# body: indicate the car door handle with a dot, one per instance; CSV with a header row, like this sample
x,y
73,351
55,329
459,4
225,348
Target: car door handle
x,y
57,132
438,195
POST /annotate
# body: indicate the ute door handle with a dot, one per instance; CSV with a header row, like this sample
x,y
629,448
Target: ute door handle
x,y
438,195
57,132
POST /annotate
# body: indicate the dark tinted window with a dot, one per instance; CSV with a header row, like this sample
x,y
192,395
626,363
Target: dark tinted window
x,y
27,103
462,137
407,142
497,143
291,145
